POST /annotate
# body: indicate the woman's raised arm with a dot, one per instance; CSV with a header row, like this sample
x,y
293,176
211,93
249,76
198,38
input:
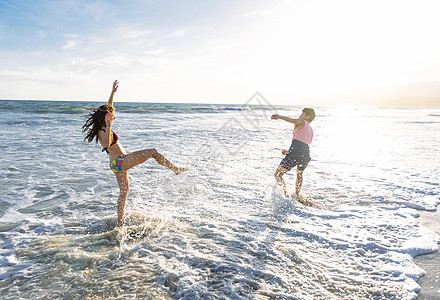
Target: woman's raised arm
x,y
114,89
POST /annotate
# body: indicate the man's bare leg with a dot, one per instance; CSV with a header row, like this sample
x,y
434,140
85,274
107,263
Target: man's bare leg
x,y
299,181
279,178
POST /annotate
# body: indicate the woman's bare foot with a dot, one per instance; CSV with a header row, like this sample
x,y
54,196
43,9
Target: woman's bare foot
x,y
180,170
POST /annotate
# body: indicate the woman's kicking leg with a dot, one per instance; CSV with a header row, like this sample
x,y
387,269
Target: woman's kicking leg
x,y
138,157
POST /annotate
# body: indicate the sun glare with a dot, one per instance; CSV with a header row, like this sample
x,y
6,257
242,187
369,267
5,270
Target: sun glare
x,y
331,46
350,137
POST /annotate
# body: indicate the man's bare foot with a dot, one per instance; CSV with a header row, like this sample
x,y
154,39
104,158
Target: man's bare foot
x,y
304,200
181,170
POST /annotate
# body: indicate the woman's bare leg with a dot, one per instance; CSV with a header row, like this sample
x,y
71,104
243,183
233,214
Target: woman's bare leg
x,y
279,177
138,157
124,187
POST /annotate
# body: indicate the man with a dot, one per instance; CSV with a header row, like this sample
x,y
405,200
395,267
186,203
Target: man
x,y
299,152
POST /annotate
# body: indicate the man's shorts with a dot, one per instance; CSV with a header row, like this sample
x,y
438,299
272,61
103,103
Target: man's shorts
x,y
290,161
299,155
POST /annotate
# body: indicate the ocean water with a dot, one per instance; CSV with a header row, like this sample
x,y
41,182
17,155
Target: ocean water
x,y
222,230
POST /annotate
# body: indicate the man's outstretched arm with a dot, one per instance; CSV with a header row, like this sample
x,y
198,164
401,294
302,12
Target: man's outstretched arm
x,y
287,119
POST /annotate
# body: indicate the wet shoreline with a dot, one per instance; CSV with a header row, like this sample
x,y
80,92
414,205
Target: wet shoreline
x,y
430,283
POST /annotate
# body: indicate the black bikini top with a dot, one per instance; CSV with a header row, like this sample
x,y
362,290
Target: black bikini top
x,y
115,139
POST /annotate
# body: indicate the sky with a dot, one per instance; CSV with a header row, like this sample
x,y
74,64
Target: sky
x,y
214,51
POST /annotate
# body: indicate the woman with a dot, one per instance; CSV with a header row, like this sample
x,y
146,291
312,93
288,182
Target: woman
x,y
99,128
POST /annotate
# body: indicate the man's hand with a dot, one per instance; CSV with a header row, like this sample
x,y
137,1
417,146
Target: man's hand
x,y
284,152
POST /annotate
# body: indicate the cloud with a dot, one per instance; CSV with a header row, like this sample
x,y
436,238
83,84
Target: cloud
x,y
262,12
70,44
137,33
292,4
41,34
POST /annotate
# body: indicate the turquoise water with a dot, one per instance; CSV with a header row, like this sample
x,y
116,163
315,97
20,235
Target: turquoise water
x,y
222,230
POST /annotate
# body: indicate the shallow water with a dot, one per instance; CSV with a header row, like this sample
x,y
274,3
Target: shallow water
x,y
222,230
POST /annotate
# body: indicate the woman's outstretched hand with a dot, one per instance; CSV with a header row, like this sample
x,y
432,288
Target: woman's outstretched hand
x,y
275,117
115,86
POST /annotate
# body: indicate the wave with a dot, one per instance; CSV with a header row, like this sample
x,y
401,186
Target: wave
x,y
82,107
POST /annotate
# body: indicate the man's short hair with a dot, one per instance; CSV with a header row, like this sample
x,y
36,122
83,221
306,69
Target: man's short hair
x,y
310,112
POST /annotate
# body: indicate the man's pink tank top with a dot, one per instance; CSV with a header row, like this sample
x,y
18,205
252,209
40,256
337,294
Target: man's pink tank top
x,y
305,134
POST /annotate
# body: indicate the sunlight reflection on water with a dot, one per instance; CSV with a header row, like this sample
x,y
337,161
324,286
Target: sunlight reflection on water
x,y
222,230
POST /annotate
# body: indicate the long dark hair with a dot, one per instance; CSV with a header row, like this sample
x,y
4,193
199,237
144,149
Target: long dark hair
x,y
96,121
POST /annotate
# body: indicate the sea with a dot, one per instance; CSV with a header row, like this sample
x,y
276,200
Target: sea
x,y
222,230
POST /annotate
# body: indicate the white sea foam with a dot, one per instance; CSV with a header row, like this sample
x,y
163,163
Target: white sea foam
x,y
222,230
